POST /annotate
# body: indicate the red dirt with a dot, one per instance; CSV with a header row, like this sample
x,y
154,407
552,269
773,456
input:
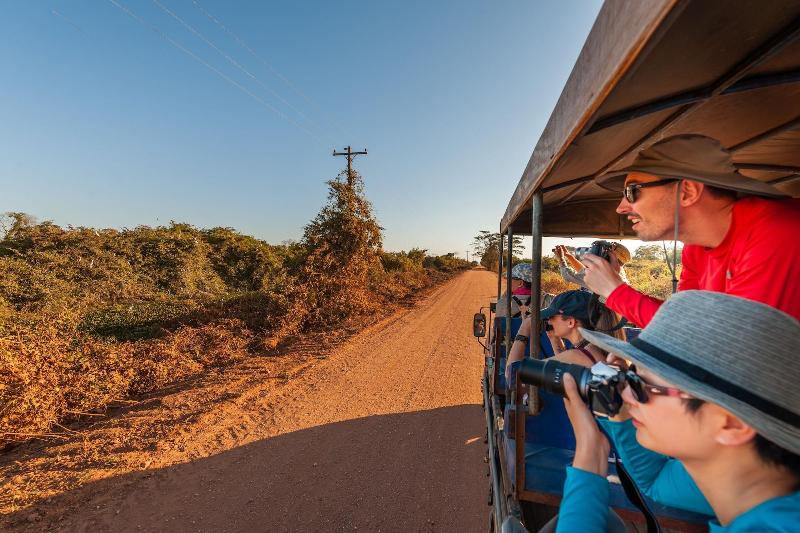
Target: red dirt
x,y
382,433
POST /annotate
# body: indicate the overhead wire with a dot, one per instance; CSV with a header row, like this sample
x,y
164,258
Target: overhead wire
x,y
230,80
263,61
236,64
65,19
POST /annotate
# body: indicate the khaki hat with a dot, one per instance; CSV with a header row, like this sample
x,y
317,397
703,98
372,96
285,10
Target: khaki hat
x,y
692,157
622,252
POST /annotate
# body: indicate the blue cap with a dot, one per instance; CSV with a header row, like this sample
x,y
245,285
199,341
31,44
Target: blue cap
x,y
570,303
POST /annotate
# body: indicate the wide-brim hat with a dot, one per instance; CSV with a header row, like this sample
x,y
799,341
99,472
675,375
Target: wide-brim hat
x,y
736,353
690,157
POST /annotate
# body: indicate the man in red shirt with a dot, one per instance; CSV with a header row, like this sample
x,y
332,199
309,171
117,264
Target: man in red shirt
x,y
685,188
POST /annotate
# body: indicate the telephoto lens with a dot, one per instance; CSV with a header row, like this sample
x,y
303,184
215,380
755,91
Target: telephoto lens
x,y
549,375
600,387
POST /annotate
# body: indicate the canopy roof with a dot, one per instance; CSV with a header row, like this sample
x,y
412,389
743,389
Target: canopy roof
x,y
655,68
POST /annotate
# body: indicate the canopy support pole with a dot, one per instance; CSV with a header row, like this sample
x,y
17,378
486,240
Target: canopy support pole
x,y
534,404
509,259
536,273
499,267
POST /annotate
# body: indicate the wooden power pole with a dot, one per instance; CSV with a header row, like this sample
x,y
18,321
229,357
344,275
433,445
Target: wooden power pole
x,y
350,155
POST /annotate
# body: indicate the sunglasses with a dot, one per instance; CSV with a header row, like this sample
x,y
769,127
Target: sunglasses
x,y
631,192
642,390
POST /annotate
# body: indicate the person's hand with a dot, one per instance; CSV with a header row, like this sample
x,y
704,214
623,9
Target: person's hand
x,y
615,264
591,446
555,342
600,276
559,251
525,328
615,360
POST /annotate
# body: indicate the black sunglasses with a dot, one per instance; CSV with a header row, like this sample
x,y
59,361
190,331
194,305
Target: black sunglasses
x,y
631,192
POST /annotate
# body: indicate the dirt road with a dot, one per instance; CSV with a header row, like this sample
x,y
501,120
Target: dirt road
x,y
382,433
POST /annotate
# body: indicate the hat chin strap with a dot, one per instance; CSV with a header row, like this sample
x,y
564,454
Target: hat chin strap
x,y
675,237
674,266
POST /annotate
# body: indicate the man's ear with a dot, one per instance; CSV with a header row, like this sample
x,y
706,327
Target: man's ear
x,y
691,191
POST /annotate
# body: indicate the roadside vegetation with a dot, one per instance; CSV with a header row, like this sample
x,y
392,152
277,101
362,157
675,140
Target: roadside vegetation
x,y
91,317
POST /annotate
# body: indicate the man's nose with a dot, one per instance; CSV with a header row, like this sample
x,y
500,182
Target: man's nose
x,y
624,206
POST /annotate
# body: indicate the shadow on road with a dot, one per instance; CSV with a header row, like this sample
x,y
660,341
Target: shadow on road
x,y
418,471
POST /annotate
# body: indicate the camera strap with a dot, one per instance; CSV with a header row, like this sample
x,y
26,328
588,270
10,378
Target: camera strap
x,y
636,498
633,493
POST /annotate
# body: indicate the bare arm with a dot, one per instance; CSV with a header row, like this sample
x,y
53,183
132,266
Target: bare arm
x,y
517,352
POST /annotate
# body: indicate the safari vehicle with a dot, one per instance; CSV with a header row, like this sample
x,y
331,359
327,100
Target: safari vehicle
x,y
648,70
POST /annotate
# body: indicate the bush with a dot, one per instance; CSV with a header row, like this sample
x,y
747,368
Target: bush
x,y
344,247
90,316
47,376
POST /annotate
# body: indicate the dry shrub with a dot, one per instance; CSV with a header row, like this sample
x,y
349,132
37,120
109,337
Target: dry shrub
x,y
89,317
652,277
553,283
47,376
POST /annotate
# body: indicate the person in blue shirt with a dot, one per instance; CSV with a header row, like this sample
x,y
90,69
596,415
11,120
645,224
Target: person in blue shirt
x,y
712,421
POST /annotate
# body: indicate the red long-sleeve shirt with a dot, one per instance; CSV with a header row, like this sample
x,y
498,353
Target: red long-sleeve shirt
x,y
759,259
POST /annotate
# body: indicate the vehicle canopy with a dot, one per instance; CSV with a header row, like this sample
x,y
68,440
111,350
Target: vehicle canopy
x,y
655,68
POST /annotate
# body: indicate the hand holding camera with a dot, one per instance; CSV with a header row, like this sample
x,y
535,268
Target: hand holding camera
x,y
601,277
591,446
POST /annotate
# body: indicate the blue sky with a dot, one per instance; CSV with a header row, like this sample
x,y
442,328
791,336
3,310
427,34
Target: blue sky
x,y
105,123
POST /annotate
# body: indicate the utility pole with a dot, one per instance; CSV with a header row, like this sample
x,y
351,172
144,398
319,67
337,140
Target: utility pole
x,y
350,155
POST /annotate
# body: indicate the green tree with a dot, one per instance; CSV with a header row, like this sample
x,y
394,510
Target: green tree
x,y
485,244
656,252
343,244
649,252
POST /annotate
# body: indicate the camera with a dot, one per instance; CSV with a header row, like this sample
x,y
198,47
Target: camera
x,y
600,386
599,248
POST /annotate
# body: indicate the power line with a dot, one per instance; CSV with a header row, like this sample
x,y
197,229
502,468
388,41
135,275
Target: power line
x,y
263,61
213,69
234,62
65,19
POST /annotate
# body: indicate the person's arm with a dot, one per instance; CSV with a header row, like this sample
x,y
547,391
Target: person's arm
x,y
570,275
663,479
603,280
572,261
500,309
637,307
517,352
584,502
